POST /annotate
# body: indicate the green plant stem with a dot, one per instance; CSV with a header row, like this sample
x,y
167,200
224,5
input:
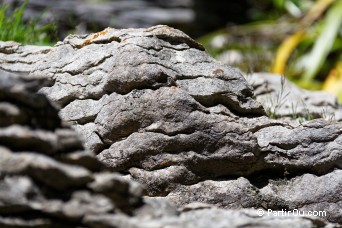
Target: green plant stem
x,y
324,42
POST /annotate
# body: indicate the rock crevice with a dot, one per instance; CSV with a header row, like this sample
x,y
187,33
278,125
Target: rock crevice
x,y
152,104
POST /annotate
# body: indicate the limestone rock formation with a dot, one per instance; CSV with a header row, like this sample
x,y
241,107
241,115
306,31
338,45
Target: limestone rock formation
x,y
46,179
153,105
285,99
15,57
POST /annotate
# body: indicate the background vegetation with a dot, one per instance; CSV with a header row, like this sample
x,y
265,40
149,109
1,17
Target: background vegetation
x,y
14,28
300,39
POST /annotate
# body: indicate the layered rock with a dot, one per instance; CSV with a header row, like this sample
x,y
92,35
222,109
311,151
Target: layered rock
x,y
18,58
152,104
46,179
282,99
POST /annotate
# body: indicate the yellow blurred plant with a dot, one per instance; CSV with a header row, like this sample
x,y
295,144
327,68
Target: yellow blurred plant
x,y
325,16
333,83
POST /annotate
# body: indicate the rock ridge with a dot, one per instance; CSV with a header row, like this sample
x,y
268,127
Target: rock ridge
x,y
152,104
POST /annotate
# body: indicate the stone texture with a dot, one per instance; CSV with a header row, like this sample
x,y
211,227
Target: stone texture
x,y
245,218
213,217
18,58
153,105
61,187
44,181
307,192
285,99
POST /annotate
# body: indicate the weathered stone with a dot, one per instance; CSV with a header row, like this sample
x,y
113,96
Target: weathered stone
x,y
284,99
303,193
153,105
125,191
25,108
46,180
212,217
307,193
42,168
245,218
11,52
238,193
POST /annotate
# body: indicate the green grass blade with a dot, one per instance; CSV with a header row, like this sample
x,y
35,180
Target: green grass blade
x,y
324,43
3,22
18,24
13,27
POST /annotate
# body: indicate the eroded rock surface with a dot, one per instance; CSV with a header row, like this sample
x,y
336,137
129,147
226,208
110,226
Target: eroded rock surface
x,y
304,193
46,179
284,99
152,103
18,58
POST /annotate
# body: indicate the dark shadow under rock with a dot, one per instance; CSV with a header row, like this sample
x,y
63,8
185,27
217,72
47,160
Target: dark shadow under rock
x,y
152,104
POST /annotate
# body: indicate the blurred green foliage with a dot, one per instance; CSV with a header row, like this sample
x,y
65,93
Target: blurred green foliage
x,y
14,28
300,39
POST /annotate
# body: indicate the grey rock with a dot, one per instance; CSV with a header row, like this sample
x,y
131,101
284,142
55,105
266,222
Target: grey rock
x,y
319,191
38,189
304,193
126,191
153,105
245,218
18,222
42,168
212,217
238,193
18,58
195,206
285,99
46,178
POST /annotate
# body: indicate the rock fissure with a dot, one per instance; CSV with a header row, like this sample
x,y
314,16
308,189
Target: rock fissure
x,y
152,104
